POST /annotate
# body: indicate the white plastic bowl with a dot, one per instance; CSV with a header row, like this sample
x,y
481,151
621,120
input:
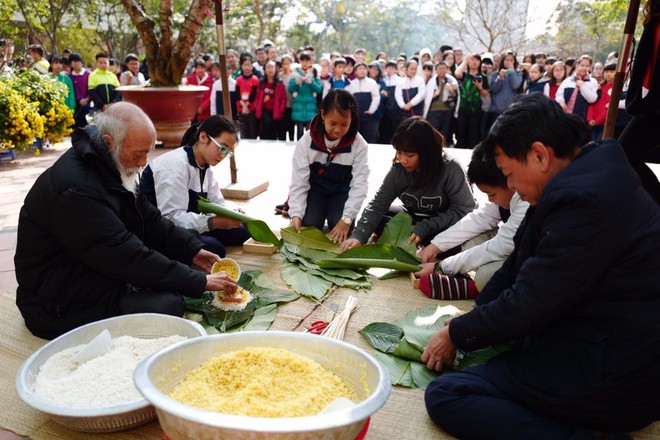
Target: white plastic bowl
x,y
160,373
111,418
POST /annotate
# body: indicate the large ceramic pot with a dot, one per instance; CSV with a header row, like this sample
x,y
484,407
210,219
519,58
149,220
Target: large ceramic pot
x,y
170,108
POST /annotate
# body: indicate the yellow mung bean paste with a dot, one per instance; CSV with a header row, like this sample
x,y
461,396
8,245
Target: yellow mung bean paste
x,y
226,266
261,382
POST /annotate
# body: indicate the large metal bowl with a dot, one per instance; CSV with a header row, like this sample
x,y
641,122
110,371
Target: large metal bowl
x,y
111,418
160,373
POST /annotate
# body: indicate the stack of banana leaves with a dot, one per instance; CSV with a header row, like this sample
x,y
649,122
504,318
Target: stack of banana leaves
x,y
399,345
314,264
257,314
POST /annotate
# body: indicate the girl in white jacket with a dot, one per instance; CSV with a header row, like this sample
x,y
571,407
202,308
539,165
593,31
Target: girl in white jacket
x,y
484,247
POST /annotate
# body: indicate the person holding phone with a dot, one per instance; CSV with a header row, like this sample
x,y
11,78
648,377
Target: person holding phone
x,y
504,85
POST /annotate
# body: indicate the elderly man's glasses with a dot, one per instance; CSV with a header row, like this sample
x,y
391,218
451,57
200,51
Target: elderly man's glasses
x,y
224,150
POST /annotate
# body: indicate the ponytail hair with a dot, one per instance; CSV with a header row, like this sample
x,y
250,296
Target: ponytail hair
x,y
213,126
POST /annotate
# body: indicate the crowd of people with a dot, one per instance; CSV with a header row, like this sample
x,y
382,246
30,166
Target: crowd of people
x,y
275,96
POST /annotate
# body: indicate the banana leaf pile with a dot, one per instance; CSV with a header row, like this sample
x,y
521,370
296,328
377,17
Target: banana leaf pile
x,y
301,270
259,314
400,346
314,264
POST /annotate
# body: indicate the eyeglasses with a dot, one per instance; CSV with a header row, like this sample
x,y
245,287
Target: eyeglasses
x,y
224,150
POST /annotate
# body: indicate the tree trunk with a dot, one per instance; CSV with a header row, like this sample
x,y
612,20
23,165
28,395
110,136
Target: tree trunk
x,y
260,19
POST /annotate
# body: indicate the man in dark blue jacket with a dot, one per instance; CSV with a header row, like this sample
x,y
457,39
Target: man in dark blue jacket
x,y
579,299
90,246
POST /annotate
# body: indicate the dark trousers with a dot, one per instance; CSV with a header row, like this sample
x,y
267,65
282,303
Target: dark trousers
x,y
468,129
248,125
641,141
79,115
286,126
489,119
216,240
321,206
93,297
369,130
441,120
468,405
386,129
269,127
300,128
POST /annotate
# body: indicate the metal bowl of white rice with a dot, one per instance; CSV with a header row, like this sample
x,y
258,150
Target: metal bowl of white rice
x,y
157,375
105,418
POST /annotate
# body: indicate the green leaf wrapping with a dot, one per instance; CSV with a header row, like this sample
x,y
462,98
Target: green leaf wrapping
x,y
303,282
398,369
397,233
383,336
258,229
310,237
365,263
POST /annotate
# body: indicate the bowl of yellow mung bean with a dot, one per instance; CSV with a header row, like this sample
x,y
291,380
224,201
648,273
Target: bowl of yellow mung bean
x,y
228,266
263,385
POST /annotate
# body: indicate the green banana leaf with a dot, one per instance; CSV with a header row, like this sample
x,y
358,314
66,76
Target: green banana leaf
x,y
397,233
258,229
392,274
308,258
304,283
382,336
310,237
366,263
309,253
400,346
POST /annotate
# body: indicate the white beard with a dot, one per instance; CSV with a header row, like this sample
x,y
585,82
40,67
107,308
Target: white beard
x,y
129,179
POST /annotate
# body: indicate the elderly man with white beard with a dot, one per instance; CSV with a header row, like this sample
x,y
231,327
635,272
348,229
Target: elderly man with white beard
x,y
90,246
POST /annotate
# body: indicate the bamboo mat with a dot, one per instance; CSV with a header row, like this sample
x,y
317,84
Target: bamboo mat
x,y
403,414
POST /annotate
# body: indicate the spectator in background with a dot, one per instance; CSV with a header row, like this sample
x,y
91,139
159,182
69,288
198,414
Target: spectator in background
x,y
114,67
556,76
367,95
57,73
597,72
536,79
103,83
473,88
286,124
233,69
410,93
570,64
260,63
440,101
458,56
579,90
40,63
202,77
80,79
504,85
597,112
132,75
270,102
304,87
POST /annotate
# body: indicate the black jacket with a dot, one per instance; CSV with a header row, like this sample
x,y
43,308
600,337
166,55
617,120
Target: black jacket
x,y
80,230
580,295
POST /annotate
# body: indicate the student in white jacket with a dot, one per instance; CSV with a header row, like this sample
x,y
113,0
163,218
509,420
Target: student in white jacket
x,y
484,247
410,93
367,94
441,99
330,169
578,91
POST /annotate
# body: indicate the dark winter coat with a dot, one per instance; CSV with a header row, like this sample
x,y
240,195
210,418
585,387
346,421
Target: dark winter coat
x,y
580,295
82,234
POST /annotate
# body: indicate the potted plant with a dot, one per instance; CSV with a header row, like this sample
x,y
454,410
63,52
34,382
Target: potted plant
x,y
169,105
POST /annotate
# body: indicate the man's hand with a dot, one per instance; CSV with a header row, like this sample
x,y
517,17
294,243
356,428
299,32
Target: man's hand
x,y
220,282
349,244
440,351
296,222
339,232
205,259
429,253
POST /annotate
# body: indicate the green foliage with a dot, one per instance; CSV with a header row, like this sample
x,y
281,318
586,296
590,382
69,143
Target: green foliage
x,y
309,237
303,282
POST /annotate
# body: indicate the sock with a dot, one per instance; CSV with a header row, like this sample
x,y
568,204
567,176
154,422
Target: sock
x,y
438,286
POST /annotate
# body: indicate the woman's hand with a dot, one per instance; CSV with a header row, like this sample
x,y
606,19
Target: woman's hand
x,y
225,223
349,244
440,351
205,259
296,222
340,232
427,269
428,253
220,282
